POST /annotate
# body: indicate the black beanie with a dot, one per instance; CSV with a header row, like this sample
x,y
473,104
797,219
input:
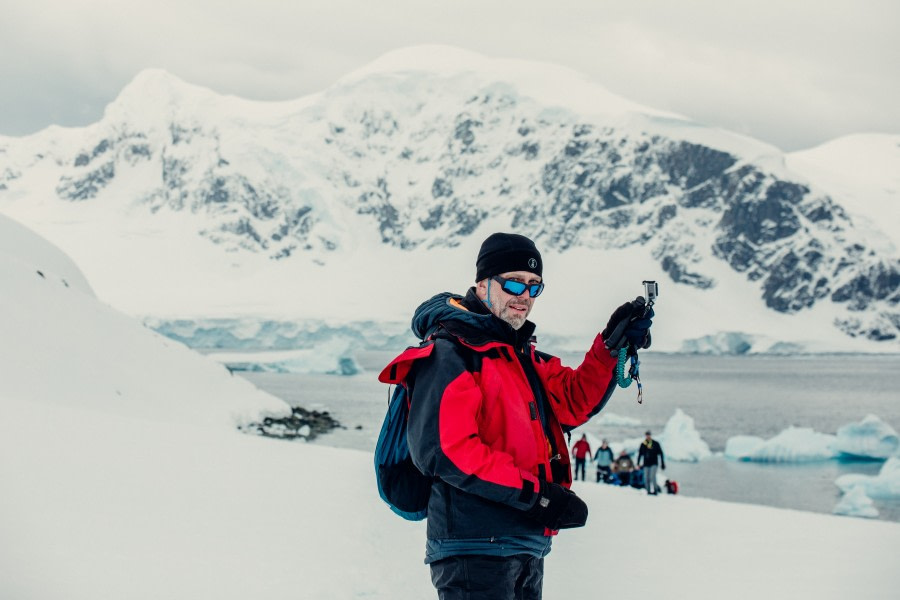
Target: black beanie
x,y
506,252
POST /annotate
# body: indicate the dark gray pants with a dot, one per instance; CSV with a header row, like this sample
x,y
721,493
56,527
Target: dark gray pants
x,y
650,479
519,577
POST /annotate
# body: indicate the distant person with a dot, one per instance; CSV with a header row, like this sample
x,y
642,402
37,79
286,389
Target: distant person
x,y
581,450
604,460
650,457
623,468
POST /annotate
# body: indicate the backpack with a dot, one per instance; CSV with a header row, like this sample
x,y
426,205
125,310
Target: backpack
x,y
405,489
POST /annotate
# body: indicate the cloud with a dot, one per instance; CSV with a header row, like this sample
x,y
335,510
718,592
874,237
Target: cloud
x,y
793,74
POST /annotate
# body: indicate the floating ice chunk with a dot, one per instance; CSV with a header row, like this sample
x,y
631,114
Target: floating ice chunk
x,y
870,438
727,342
332,357
856,503
884,485
793,445
681,441
741,447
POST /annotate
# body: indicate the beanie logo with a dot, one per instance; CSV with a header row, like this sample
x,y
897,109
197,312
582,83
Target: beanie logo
x,y
532,263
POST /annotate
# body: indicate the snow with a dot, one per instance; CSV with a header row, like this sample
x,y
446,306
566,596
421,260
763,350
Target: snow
x,y
124,477
60,345
114,507
863,170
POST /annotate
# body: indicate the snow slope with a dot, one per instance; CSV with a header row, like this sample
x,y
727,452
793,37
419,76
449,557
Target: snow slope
x,y
111,507
864,171
60,346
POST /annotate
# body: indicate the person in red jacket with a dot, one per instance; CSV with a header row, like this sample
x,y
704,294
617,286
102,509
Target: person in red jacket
x,y
486,418
581,450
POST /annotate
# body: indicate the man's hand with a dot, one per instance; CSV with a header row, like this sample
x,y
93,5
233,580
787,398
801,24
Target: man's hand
x,y
558,507
629,325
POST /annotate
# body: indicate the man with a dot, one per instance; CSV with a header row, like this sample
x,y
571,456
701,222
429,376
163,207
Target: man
x,y
486,421
651,456
604,458
581,450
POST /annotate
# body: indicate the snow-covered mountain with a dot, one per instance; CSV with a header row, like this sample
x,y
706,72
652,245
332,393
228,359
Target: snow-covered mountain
x,y
354,204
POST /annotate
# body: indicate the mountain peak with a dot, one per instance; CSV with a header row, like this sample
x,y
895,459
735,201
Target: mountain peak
x,y
549,84
156,93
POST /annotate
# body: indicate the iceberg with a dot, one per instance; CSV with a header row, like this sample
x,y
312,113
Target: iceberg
x,y
681,441
793,445
333,357
870,438
885,485
740,447
856,504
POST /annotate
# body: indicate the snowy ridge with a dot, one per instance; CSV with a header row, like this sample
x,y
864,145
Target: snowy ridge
x,y
397,172
61,347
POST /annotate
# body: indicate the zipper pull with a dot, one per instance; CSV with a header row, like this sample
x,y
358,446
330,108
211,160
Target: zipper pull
x,y
555,457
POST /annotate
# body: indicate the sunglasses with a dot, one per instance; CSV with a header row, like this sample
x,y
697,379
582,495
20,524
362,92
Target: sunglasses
x,y
517,288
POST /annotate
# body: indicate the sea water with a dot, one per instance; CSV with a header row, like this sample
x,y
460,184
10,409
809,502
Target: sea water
x,y
726,396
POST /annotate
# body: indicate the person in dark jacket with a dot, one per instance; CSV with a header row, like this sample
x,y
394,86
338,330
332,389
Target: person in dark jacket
x,y
650,457
487,412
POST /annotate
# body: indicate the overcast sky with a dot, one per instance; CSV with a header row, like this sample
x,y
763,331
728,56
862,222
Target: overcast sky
x,y
793,73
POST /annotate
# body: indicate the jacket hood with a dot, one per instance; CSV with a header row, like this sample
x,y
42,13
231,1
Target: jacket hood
x,y
465,315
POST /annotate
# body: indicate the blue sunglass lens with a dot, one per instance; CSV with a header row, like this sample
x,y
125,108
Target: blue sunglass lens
x,y
516,288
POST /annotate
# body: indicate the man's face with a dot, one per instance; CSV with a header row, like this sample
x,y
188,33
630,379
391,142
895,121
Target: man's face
x,y
511,309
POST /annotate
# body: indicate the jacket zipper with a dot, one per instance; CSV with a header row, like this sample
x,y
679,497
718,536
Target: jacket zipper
x,y
544,433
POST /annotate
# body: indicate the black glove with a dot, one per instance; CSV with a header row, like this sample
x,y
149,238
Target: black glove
x,y
629,325
558,507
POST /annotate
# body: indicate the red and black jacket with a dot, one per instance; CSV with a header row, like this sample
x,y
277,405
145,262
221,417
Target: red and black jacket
x,y
487,415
